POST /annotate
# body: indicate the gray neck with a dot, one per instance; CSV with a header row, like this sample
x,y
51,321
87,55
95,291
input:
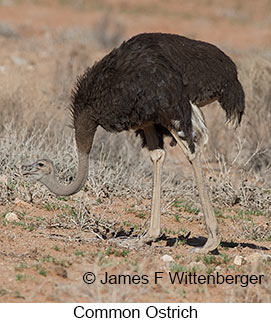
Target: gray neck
x,y
82,173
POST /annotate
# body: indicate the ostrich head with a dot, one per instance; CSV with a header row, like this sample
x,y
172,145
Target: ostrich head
x,y
41,170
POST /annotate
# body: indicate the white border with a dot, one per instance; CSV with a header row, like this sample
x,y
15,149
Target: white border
x,y
209,313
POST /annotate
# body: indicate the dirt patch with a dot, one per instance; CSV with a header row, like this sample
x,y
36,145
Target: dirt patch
x,y
46,251
44,258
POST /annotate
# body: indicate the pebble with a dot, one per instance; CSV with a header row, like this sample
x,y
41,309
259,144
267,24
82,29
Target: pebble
x,y
17,60
238,260
11,216
167,258
3,69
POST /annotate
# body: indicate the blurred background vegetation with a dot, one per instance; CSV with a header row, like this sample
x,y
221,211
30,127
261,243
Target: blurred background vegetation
x,y
46,44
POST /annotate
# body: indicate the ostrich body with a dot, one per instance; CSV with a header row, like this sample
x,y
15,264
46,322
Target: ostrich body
x,y
155,84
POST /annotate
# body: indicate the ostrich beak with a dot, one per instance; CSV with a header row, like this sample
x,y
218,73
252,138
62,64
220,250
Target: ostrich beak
x,y
28,169
37,170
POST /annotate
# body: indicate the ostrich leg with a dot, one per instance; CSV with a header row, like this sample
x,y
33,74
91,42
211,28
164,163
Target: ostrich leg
x,y
209,215
157,157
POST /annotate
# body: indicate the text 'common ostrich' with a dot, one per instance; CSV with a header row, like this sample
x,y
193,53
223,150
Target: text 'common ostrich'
x,y
154,83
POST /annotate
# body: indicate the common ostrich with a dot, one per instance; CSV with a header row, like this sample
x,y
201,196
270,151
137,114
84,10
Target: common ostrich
x,y
155,84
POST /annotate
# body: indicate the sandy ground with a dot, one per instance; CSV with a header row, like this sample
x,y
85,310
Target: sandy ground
x,y
42,257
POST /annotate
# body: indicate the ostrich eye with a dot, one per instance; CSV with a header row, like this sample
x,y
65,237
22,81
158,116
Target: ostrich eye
x,y
41,164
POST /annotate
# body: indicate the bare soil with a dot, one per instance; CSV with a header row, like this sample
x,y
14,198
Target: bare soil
x,y
44,256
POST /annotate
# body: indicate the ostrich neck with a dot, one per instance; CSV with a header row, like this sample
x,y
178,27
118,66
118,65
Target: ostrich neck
x,y
82,173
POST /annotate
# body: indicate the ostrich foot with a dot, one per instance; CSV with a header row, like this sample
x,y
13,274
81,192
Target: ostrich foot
x,y
210,245
137,242
150,236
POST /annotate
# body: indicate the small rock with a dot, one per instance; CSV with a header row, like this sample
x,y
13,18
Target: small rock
x,y
17,60
167,258
238,260
12,217
3,69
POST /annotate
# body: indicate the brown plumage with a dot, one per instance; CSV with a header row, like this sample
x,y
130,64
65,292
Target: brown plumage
x,y
152,78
